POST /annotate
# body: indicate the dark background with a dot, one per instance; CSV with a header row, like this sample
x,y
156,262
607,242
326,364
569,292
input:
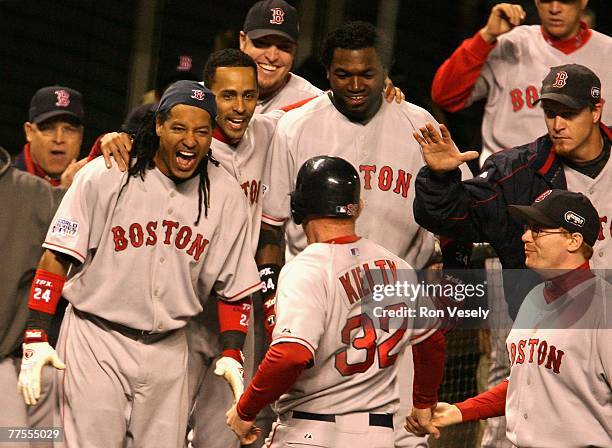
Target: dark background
x,y
90,46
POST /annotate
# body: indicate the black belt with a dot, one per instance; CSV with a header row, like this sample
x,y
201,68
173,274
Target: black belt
x,y
384,420
132,333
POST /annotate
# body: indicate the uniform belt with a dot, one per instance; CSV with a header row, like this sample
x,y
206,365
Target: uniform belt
x,y
132,333
384,420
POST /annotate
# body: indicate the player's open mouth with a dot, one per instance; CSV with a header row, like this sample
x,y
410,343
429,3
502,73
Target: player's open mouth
x,y
268,67
236,123
356,100
185,160
57,153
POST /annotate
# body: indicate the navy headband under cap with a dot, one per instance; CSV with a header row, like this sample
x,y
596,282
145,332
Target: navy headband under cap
x,y
191,93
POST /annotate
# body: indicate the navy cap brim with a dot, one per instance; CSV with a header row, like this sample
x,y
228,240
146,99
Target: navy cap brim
x,y
530,214
263,32
56,113
563,99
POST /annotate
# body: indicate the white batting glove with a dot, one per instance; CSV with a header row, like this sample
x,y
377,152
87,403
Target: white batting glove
x,y
35,356
232,371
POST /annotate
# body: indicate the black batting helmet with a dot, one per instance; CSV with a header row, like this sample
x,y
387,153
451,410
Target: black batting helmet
x,y
326,186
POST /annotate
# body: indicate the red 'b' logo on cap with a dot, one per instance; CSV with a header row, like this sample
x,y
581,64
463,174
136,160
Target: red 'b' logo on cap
x,y
63,98
278,16
560,80
198,94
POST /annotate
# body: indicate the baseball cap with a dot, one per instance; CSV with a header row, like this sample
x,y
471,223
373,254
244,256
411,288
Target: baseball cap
x,y
573,85
268,17
54,101
191,93
571,211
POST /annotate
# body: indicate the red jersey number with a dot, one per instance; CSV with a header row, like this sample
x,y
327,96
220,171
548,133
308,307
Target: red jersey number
x,y
367,342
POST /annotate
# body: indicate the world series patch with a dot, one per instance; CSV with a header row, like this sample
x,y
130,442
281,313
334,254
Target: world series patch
x,y
65,227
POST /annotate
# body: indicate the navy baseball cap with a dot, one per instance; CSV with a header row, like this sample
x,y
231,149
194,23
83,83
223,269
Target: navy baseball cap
x,y
275,17
571,211
54,101
572,85
191,93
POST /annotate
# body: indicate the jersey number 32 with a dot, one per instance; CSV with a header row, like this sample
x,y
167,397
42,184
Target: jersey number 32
x,y
368,342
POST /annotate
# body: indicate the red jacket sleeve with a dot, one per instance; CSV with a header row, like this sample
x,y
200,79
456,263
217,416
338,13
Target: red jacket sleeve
x,y
283,364
491,403
455,79
428,358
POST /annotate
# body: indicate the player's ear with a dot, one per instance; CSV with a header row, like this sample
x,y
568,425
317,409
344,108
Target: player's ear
x,y
597,111
28,129
242,40
574,242
158,127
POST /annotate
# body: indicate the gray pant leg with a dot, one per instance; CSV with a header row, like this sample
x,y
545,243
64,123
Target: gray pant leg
x,y
13,407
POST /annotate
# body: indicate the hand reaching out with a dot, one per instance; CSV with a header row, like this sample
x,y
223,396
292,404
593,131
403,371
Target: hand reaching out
x,y
439,151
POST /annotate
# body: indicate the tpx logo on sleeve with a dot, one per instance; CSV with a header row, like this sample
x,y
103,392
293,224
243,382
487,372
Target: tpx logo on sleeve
x,y
65,227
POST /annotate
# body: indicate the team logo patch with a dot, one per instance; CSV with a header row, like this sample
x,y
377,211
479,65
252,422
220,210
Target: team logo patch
x,y
63,98
198,94
595,92
185,63
542,196
65,227
574,218
278,16
560,80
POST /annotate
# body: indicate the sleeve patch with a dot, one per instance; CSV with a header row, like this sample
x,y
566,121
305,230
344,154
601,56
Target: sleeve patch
x,y
65,227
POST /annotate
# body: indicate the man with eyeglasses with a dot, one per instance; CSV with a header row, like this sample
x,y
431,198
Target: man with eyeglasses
x,y
573,156
54,135
558,392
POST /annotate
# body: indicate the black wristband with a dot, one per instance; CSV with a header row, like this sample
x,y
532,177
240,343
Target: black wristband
x,y
39,320
232,340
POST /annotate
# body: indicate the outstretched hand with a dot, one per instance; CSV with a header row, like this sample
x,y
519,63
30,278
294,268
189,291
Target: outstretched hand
x,y
439,150
246,431
427,421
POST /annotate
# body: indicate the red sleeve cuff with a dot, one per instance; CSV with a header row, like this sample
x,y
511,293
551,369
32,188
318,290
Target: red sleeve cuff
x,y
283,364
96,149
428,357
491,403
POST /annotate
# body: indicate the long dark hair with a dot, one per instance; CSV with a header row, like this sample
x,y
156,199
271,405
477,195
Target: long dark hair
x,y
144,147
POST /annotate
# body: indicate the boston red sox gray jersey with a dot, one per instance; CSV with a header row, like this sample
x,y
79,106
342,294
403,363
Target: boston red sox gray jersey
x,y
296,89
511,80
247,163
325,303
145,235
561,368
384,153
598,191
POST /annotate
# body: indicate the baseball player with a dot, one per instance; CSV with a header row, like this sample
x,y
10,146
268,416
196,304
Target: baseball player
x,y
270,35
354,123
348,394
558,392
506,61
174,228
574,155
